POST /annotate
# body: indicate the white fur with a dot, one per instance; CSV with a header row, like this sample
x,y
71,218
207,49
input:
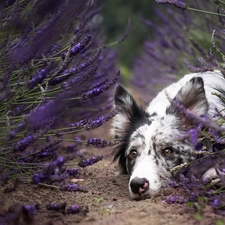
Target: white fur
x,y
211,79
142,165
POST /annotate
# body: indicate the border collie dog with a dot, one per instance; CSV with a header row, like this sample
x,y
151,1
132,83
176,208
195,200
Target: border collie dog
x,y
147,148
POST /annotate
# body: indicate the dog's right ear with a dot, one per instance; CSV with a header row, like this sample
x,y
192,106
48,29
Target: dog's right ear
x,y
127,109
124,101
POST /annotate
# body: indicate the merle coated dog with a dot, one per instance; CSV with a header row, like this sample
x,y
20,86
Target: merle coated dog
x,y
148,148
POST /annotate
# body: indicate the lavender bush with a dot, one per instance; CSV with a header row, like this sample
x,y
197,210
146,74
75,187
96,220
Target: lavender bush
x,y
56,76
182,43
189,43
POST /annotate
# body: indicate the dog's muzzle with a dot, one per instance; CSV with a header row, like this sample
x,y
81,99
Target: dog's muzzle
x,y
139,185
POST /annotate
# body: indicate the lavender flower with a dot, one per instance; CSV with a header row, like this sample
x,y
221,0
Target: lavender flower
x,y
80,46
93,124
66,74
39,178
194,136
78,125
216,202
47,71
163,57
18,213
176,3
91,161
100,143
38,78
121,39
73,209
101,89
171,199
30,211
193,197
173,184
176,199
54,171
24,143
73,172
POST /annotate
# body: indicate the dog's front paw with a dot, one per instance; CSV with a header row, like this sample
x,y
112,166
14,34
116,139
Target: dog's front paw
x,y
212,175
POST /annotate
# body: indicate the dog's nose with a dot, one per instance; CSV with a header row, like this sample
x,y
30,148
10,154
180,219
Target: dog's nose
x,y
139,185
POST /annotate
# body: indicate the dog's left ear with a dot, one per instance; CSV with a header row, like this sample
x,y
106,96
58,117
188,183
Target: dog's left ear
x,y
192,97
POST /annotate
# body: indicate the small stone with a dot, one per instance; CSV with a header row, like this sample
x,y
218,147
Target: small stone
x,y
76,180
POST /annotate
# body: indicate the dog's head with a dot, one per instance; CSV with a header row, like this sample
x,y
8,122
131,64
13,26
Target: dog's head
x,y
147,148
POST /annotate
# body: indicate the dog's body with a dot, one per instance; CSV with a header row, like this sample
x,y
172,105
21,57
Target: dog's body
x,y
148,148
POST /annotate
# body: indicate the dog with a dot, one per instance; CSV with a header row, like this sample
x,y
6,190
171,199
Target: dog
x,y
147,146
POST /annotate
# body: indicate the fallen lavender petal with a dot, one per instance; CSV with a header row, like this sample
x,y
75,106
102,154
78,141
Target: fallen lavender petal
x,y
73,209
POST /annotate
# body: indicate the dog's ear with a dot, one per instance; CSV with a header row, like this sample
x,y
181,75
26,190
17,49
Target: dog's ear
x,y
127,109
124,102
192,97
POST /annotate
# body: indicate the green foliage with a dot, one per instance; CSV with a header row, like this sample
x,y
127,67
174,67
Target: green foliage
x,y
116,14
99,200
219,222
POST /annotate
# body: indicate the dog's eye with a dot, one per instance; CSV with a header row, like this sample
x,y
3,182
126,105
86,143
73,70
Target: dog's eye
x,y
167,151
133,154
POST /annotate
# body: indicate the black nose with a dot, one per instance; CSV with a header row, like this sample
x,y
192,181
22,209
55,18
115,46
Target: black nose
x,y
139,185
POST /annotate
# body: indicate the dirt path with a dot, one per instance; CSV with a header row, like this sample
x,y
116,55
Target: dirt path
x,y
108,202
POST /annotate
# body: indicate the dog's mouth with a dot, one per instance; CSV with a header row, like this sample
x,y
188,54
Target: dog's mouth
x,y
164,191
141,195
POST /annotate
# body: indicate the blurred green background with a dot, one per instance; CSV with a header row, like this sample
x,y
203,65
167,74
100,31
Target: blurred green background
x,y
198,27
115,16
